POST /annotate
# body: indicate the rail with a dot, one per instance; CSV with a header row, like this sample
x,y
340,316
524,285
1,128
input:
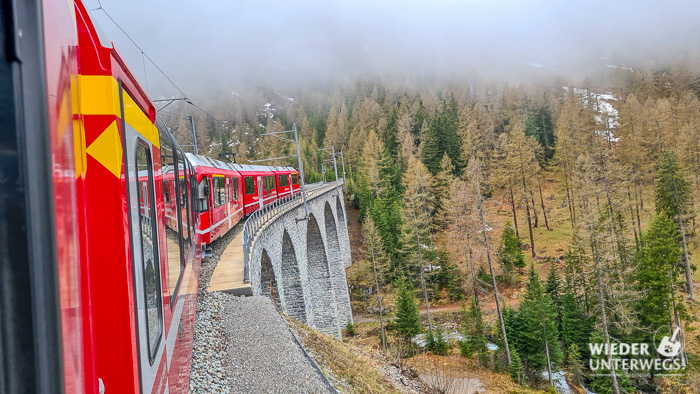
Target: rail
x,y
257,220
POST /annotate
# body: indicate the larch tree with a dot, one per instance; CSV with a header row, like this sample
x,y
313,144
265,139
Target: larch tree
x,y
473,174
418,208
521,157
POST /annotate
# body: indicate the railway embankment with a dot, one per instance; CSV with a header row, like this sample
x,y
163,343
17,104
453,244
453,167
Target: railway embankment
x,y
243,344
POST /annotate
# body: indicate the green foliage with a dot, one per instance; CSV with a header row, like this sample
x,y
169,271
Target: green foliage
x,y
575,326
437,344
510,253
539,125
442,137
603,384
538,318
407,321
448,277
575,365
673,193
474,333
350,329
656,260
516,367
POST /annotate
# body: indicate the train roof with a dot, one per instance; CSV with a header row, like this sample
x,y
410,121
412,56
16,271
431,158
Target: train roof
x,y
199,160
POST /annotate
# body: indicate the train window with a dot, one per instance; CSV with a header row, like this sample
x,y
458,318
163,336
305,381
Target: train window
x,y
295,179
203,199
268,182
219,191
172,237
283,180
234,189
249,183
149,249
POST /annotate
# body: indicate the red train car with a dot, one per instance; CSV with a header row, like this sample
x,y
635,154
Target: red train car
x,y
219,196
227,192
102,282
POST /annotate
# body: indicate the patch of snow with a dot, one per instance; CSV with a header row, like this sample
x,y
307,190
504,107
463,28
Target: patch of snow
x,y
559,380
492,346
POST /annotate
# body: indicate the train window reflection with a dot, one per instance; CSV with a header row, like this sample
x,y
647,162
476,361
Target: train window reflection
x,y
149,249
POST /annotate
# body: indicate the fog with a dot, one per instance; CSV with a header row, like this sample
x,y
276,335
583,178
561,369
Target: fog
x,y
211,43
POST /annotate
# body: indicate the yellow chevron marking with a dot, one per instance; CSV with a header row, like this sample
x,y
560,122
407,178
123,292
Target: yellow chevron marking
x,y
107,149
99,95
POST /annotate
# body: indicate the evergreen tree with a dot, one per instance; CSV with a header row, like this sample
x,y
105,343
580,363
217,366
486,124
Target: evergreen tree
x,y
539,126
474,332
673,196
575,326
540,345
575,365
516,367
510,252
407,320
442,137
553,288
656,261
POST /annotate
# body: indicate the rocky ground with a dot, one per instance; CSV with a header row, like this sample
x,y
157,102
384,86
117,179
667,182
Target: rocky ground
x,y
243,345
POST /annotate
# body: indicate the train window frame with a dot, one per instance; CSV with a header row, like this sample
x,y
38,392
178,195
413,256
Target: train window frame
x,y
185,245
172,186
295,179
152,351
219,190
234,189
252,185
286,179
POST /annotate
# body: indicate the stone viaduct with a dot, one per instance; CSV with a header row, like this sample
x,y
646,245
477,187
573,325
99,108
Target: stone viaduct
x,y
303,261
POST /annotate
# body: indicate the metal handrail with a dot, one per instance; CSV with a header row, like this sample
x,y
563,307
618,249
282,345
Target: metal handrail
x,y
257,219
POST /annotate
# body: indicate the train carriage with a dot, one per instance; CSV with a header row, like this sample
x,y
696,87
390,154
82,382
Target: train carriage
x,y
116,215
111,210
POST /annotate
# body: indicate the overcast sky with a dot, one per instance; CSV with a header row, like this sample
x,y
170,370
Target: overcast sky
x,y
205,42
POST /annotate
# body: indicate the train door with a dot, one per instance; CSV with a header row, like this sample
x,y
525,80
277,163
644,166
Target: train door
x,y
260,191
146,268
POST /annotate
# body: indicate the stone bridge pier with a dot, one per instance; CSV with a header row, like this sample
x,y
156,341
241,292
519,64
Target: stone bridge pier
x,y
303,261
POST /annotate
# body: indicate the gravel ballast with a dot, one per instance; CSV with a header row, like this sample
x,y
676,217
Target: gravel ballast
x,y
264,356
208,364
243,345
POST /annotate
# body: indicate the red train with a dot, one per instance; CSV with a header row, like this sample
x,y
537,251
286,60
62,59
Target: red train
x,y
102,214
228,191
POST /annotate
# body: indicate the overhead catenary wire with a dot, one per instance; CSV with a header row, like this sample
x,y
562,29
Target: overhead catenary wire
x,y
145,55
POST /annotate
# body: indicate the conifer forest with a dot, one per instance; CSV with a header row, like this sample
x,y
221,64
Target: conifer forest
x,y
510,225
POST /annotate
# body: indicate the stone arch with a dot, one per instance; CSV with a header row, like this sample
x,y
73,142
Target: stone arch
x,y
340,213
294,303
322,299
267,276
335,263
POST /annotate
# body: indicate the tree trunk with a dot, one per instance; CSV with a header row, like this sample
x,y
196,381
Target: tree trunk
x,y
634,228
475,282
493,276
379,301
569,200
529,225
601,302
515,216
686,260
422,276
534,210
549,362
544,210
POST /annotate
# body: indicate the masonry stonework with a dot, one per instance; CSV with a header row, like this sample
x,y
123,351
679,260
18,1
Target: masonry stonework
x,y
305,261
